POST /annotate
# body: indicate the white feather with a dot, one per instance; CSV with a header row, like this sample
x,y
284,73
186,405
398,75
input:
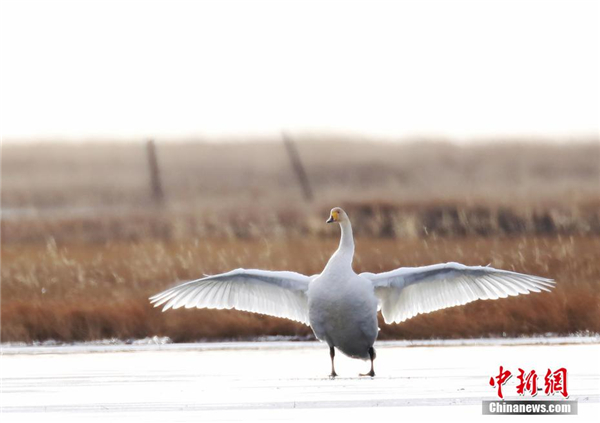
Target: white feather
x,y
281,294
408,291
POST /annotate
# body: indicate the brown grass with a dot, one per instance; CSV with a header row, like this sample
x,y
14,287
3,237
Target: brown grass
x,y
372,219
91,291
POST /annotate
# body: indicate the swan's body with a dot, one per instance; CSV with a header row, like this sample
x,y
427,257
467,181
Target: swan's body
x,y
343,313
341,306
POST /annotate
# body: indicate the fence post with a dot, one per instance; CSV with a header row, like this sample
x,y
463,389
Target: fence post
x,y
156,189
298,167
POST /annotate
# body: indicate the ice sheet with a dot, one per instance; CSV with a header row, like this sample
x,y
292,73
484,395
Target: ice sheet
x,y
281,381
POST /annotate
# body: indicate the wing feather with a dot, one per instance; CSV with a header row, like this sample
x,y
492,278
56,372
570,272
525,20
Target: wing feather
x,y
408,291
281,294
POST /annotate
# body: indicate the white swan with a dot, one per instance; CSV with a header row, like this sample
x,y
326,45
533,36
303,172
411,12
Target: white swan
x,y
341,306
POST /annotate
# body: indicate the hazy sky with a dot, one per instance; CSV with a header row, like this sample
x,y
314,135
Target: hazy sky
x,y
456,68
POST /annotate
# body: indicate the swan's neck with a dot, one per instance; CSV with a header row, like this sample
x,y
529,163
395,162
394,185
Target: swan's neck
x,y
345,251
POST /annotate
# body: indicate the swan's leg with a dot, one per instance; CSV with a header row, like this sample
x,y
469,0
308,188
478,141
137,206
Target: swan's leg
x,y
332,354
372,354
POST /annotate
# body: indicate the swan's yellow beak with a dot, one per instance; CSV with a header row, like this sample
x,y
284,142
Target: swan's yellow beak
x,y
333,217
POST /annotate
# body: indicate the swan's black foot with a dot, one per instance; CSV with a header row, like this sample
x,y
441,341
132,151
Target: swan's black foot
x,y
332,355
372,354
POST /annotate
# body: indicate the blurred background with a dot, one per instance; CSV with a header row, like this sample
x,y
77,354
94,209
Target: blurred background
x,y
146,144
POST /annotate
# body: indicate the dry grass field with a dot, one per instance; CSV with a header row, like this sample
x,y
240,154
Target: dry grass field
x,y
91,291
83,244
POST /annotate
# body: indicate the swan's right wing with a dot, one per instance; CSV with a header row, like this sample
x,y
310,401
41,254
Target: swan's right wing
x,y
408,291
280,294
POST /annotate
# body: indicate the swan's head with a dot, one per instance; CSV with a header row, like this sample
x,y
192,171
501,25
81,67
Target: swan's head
x,y
337,215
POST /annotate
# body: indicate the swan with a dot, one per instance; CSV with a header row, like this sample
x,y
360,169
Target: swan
x,y
341,306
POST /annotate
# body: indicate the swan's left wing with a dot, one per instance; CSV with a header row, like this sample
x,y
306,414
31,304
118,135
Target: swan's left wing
x,y
280,294
408,291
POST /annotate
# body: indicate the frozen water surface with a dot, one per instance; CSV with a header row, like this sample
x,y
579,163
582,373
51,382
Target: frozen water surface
x,y
279,381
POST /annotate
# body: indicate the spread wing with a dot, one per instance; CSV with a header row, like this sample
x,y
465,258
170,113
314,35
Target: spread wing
x,y
408,291
280,294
